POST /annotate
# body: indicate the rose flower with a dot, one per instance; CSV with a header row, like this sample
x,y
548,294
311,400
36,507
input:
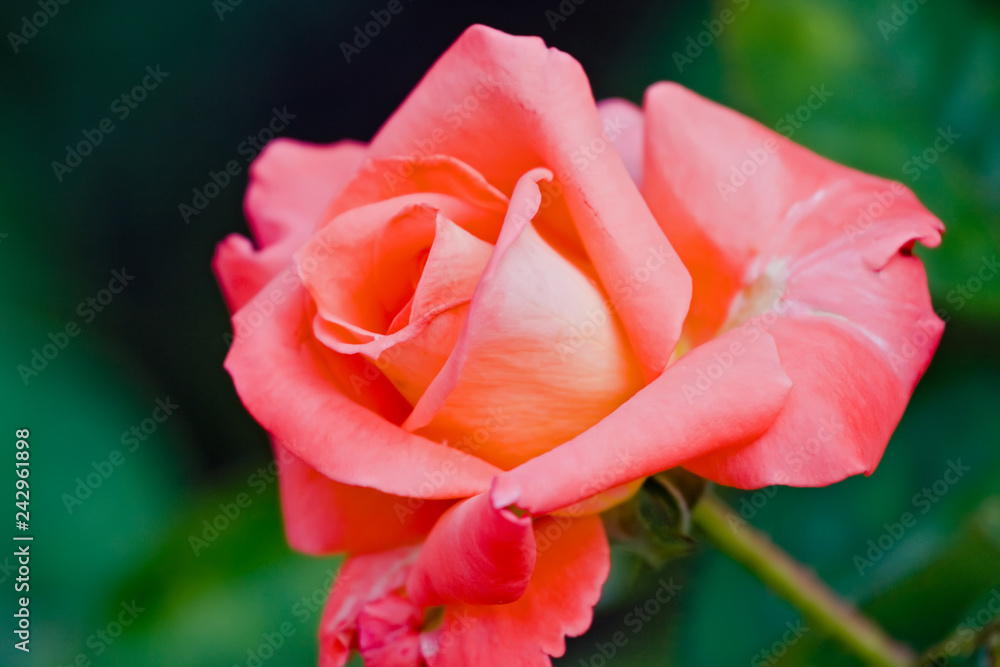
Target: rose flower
x,y
473,334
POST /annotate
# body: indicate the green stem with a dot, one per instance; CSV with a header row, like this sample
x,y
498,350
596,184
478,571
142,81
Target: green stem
x,y
799,586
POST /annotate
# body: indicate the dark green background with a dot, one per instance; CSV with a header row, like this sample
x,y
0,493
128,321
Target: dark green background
x,y
164,335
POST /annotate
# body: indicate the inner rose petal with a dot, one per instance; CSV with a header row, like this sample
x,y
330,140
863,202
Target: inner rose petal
x,y
433,264
542,356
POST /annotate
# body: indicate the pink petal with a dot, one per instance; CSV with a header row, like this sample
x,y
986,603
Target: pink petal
x,y
853,376
324,517
359,289
815,253
291,183
476,554
724,393
505,105
361,580
299,393
570,570
522,372
794,204
390,177
388,633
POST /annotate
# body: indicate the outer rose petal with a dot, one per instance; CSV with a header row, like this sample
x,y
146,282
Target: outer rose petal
x,y
559,601
475,554
325,517
291,183
535,107
795,204
362,579
724,393
793,243
521,369
295,391
848,397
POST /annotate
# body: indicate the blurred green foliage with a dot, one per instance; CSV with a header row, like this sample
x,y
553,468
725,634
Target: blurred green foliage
x,y
896,77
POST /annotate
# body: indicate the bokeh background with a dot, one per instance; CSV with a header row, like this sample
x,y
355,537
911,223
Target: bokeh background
x,y
899,72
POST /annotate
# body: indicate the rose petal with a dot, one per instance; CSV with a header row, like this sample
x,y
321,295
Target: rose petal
x,y
852,382
296,392
291,183
794,206
803,239
388,633
362,579
416,245
325,517
522,371
390,177
475,554
509,104
570,570
724,393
